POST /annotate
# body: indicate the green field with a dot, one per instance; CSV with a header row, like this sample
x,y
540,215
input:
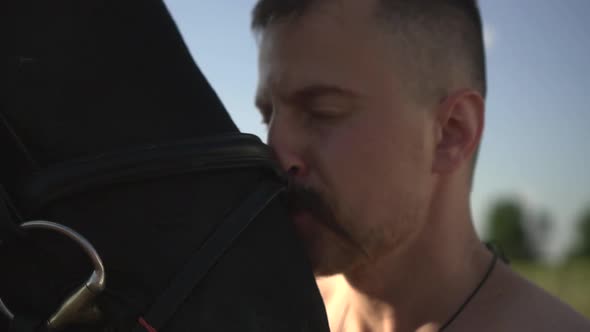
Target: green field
x,y
570,281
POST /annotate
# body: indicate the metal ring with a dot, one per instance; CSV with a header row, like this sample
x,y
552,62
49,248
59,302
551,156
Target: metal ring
x,y
6,311
96,282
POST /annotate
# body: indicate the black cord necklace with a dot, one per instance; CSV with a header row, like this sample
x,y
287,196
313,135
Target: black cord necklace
x,y
473,293
463,305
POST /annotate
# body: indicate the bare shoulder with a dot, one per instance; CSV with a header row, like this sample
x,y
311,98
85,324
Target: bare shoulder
x,y
519,305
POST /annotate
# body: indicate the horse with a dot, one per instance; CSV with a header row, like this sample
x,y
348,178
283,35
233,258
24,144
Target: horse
x,y
120,162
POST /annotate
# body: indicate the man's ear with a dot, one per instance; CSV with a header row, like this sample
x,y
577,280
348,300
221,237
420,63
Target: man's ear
x,y
459,125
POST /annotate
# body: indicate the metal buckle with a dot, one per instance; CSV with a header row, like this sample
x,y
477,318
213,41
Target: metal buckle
x,y
79,303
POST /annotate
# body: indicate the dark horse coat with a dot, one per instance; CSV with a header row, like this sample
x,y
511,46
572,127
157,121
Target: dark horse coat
x,y
108,127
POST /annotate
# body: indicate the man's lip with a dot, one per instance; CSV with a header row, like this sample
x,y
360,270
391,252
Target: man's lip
x,y
303,218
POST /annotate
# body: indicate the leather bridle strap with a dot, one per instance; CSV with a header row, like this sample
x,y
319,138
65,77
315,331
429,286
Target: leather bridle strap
x,y
205,258
9,230
223,152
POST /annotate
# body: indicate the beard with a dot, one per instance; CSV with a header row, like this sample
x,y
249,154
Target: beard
x,y
330,246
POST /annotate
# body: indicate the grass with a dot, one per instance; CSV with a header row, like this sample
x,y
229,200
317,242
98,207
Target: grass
x,y
570,281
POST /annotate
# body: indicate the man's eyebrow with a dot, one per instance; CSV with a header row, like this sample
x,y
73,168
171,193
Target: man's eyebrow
x,y
306,93
264,106
317,90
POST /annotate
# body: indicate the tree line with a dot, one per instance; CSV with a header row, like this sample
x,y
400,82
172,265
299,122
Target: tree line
x,y
523,237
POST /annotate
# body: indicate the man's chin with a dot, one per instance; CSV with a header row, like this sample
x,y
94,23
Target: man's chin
x,y
305,225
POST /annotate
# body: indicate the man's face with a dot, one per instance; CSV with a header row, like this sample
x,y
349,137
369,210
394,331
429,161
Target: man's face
x,y
342,123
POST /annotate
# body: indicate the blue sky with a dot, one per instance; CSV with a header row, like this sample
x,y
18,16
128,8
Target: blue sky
x,y
536,143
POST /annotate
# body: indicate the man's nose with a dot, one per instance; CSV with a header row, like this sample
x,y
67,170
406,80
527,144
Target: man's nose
x,y
287,142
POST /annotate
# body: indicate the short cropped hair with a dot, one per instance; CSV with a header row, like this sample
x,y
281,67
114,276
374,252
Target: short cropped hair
x,y
441,39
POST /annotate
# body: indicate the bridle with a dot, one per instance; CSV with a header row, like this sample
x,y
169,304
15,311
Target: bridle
x,y
223,152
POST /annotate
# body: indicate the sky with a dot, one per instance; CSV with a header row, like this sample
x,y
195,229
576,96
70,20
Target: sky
x,y
536,144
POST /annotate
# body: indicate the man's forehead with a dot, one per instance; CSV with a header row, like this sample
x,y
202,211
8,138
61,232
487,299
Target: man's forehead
x,y
283,74
319,53
284,83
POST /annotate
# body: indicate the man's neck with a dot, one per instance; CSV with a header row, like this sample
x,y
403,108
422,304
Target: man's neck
x,y
418,289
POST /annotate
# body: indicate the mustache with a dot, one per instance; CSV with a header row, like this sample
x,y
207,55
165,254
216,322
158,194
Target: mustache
x,y
302,198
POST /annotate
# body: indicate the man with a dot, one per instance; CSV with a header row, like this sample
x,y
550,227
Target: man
x,y
376,110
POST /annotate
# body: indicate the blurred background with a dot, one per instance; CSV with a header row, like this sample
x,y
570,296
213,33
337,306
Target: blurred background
x,y
532,186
